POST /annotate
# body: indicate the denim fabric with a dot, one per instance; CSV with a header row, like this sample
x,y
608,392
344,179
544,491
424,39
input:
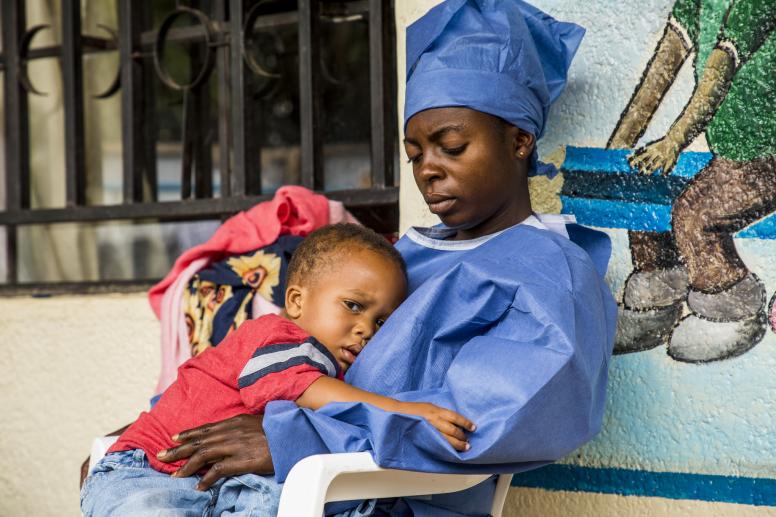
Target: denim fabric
x,y
123,484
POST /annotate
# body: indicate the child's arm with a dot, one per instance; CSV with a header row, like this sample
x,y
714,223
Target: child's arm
x,y
449,423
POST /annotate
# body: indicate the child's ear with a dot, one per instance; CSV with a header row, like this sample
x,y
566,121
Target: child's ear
x,y
294,296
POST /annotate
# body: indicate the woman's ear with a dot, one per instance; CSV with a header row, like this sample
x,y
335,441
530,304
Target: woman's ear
x,y
294,301
523,142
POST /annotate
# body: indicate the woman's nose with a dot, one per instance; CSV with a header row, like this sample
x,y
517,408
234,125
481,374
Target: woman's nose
x,y
429,171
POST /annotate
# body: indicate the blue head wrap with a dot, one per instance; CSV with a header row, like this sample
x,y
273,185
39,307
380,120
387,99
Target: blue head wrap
x,y
501,57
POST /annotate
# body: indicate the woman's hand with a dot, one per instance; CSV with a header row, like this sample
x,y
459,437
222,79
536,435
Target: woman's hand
x,y
449,423
660,155
231,447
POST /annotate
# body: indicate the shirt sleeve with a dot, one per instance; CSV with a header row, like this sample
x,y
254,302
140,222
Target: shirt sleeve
x,y
747,25
283,372
685,19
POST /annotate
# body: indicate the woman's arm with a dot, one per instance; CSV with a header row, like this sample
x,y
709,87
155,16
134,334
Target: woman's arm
x,y
449,423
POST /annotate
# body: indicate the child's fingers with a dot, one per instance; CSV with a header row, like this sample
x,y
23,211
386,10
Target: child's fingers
x,y
459,420
458,445
449,429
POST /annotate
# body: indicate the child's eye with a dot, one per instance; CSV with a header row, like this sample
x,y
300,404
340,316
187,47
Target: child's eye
x,y
380,322
454,151
352,306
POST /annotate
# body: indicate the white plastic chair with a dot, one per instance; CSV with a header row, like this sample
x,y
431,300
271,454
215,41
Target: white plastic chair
x,y
326,478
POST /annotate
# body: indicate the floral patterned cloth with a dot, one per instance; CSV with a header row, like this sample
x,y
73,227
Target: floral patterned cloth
x,y
220,298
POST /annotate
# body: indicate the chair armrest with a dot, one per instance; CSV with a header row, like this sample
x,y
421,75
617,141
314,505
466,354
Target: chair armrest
x,y
352,476
100,446
89,464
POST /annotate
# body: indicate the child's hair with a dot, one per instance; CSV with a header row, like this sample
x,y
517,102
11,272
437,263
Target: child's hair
x,y
322,248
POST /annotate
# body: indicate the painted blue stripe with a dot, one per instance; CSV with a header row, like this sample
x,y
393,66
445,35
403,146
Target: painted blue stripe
x,y
603,213
650,217
671,485
660,190
608,161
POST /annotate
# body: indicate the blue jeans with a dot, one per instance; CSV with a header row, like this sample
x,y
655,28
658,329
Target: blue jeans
x,y
124,484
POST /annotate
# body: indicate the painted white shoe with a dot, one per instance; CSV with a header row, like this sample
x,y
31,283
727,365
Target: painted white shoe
x,y
651,308
646,329
698,340
723,325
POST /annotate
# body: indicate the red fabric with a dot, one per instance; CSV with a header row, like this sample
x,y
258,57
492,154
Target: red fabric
x,y
206,389
294,210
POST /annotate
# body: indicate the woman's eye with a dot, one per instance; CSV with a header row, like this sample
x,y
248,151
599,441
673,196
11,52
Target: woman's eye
x,y
352,306
414,159
454,151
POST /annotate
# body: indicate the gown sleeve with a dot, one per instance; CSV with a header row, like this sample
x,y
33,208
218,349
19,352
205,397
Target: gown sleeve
x,y
518,343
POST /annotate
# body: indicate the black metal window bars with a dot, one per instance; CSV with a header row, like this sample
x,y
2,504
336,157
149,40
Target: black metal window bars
x,y
225,34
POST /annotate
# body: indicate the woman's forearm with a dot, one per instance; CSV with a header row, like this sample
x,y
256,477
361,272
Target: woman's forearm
x,y
326,390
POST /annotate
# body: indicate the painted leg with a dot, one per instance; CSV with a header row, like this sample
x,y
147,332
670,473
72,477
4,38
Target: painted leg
x,y
727,300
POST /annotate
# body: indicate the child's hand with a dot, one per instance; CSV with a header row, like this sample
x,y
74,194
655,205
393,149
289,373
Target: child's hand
x,y
449,423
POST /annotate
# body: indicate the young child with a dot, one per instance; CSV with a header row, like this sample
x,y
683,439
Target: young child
x,y
343,282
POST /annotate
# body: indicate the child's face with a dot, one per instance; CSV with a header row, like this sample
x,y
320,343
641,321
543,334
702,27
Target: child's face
x,y
467,165
348,302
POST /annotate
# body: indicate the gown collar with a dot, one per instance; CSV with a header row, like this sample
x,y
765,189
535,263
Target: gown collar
x,y
436,237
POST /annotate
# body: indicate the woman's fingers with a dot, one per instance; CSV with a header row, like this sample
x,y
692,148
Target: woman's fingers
x,y
179,453
225,468
199,460
198,433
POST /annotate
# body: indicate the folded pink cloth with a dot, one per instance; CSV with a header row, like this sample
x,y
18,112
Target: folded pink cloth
x,y
294,210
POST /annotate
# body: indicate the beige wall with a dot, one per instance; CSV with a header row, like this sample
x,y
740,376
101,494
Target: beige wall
x,y
73,367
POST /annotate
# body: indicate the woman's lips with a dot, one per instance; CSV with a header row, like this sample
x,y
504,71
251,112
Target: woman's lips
x,y
439,204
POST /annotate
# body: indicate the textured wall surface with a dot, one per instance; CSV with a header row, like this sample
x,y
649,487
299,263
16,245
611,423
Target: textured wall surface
x,y
73,367
689,419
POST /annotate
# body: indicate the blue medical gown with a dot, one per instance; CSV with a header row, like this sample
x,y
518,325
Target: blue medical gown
x,y
515,334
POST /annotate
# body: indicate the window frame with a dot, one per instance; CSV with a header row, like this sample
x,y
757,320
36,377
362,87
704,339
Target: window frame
x,y
240,177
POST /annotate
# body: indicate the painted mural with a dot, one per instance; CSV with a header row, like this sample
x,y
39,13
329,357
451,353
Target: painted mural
x,y
690,289
666,138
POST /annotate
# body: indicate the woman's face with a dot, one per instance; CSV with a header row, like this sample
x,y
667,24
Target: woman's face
x,y
471,169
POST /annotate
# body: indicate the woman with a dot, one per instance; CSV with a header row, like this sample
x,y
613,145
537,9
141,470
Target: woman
x,y
508,322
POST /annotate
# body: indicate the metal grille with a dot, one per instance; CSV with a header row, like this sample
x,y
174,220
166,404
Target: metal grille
x,y
226,29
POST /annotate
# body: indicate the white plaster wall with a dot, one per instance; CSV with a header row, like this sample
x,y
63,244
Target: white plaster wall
x,y
72,367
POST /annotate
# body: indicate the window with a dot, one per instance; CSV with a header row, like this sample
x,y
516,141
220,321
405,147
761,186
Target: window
x,y
132,128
